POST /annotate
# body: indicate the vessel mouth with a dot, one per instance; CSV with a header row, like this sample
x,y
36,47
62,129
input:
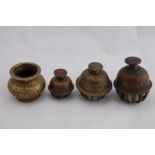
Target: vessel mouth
x,y
25,71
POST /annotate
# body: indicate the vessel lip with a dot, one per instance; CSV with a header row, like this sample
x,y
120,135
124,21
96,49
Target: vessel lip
x,y
26,78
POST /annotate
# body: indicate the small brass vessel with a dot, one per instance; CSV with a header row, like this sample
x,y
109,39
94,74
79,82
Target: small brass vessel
x,y
61,85
26,82
132,82
94,82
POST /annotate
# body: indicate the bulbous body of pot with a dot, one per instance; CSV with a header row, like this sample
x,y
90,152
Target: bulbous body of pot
x,y
26,82
27,91
61,88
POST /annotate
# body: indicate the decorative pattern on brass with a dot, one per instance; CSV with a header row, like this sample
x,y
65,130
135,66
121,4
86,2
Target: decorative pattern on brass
x,y
26,82
94,82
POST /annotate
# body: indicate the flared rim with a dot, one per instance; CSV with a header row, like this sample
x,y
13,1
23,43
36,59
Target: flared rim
x,y
36,71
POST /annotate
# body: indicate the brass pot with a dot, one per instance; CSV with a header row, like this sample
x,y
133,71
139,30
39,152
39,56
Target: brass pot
x,y
94,82
26,82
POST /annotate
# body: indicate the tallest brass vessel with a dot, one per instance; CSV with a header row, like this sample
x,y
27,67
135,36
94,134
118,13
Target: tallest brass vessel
x,y
133,82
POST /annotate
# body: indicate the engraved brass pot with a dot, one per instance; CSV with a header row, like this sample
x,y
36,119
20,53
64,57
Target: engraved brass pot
x,y
94,82
26,82
132,82
61,85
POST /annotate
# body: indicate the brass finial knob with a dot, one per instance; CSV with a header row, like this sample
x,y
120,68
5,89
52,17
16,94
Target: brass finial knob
x,y
133,61
60,73
95,68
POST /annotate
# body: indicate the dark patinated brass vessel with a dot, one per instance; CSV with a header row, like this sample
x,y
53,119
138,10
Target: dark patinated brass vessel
x,y
94,82
132,83
60,85
26,82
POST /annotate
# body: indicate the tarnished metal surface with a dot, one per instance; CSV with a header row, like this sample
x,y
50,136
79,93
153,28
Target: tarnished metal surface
x,y
132,82
60,85
26,82
94,82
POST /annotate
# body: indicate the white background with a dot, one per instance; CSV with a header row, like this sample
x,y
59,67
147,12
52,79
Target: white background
x,y
73,48
78,12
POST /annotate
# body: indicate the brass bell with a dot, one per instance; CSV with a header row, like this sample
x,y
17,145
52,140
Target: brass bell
x,y
132,82
61,85
94,82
